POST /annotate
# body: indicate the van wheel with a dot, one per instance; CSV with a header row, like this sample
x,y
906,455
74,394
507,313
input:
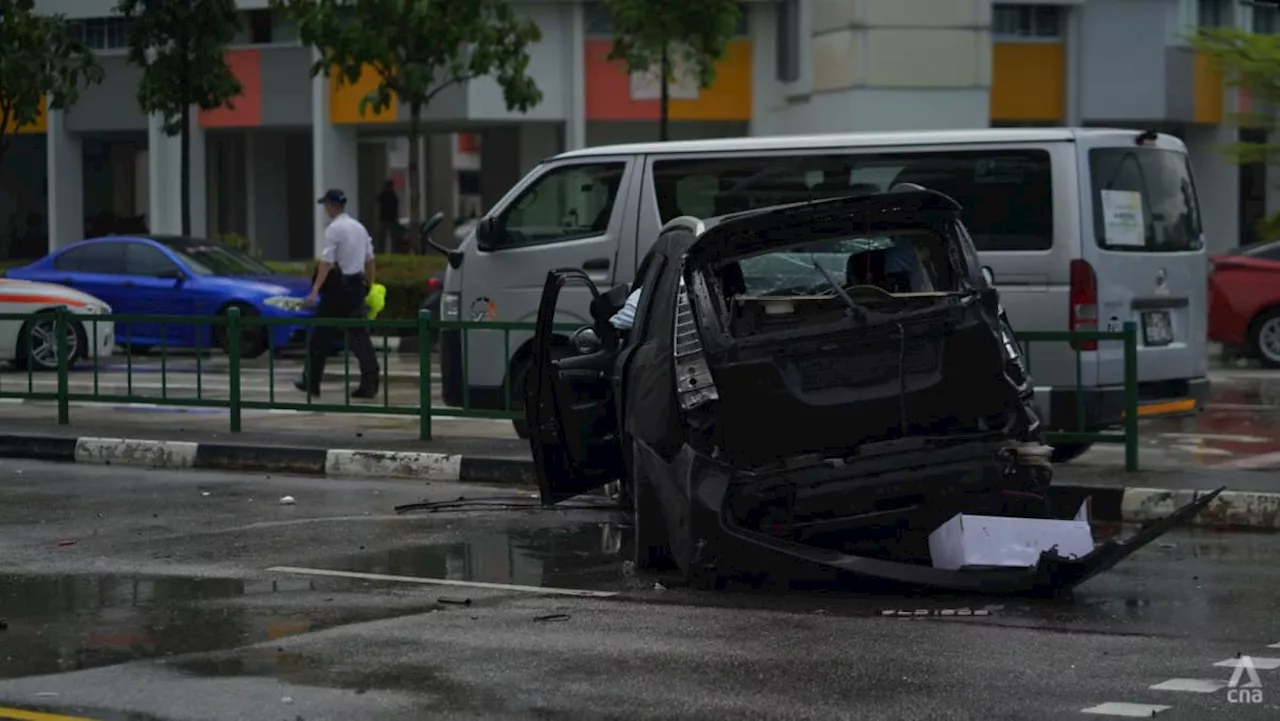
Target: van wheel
x,y
1264,338
1067,452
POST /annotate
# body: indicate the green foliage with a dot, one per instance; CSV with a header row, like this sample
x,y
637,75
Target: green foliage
x,y
1250,63
38,58
181,47
419,48
664,35
1268,228
405,277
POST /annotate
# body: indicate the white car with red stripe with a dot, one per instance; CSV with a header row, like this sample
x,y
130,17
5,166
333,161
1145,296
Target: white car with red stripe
x,y
31,341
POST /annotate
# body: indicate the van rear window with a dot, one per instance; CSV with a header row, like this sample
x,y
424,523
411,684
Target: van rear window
x,y
1144,200
1007,194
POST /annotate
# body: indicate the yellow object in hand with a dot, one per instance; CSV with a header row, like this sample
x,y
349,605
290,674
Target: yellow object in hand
x,y
376,300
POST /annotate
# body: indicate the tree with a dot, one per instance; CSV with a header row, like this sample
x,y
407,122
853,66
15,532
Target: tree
x,y
39,59
419,48
1250,63
181,46
663,36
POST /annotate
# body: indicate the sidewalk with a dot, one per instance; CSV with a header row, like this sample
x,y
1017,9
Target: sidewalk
x,y
483,451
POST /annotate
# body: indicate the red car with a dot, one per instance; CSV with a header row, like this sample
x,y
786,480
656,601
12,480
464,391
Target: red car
x,y
1244,301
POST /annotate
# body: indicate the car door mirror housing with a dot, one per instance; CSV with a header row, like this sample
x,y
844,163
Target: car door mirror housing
x,y
488,232
172,274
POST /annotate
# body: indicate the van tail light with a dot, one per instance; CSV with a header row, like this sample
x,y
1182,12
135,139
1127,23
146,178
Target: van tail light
x,y
433,283
1084,303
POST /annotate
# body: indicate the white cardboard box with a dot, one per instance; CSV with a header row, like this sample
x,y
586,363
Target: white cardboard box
x,y
1011,542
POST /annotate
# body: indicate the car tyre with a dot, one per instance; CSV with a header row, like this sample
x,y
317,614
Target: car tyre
x,y
43,359
1264,338
253,341
1067,452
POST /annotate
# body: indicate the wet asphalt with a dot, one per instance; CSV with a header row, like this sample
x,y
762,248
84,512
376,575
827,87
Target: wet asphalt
x,y
130,594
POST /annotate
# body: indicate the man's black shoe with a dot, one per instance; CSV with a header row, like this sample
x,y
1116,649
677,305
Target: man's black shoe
x,y
302,386
366,391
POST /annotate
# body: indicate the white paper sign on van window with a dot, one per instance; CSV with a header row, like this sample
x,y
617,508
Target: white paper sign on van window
x,y
1122,218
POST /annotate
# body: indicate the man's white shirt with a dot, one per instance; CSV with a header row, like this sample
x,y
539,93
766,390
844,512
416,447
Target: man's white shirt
x,y
347,245
626,317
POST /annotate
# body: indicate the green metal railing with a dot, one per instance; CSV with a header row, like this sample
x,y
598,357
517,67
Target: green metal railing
x,y
66,327
1128,435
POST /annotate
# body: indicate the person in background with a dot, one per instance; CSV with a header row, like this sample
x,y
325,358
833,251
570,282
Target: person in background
x,y
342,282
388,215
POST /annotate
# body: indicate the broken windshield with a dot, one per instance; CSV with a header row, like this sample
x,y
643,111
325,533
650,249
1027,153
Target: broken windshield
x,y
907,262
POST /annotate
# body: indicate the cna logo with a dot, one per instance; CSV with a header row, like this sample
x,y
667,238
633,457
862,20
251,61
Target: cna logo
x,y
1244,686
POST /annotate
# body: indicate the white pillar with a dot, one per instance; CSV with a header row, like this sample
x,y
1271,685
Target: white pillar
x,y
65,163
334,155
1218,184
575,112
164,166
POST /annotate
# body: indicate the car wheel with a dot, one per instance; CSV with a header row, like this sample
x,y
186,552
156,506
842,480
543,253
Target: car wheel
x,y
1264,338
38,344
253,340
1067,452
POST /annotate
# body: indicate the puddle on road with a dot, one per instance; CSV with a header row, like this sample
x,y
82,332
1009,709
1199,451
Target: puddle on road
x,y
585,556
60,624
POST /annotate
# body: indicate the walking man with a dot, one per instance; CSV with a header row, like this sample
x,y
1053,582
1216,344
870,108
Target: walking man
x,y
342,281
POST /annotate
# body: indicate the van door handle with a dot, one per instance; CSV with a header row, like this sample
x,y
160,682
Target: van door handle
x,y
596,264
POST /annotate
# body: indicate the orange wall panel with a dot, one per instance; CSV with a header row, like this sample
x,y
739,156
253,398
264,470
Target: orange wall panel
x,y
40,125
610,97
1207,82
344,99
244,110
1028,82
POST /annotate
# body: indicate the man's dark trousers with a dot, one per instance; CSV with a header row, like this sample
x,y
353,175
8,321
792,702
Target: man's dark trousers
x,y
343,297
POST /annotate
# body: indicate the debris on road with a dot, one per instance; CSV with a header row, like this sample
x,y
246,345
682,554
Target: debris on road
x,y
552,617
287,501
62,544
454,601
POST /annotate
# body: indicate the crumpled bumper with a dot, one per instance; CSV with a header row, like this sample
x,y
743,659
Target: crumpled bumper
x,y
690,493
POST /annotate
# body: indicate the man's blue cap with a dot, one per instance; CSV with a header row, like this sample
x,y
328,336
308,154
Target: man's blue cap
x,y
333,195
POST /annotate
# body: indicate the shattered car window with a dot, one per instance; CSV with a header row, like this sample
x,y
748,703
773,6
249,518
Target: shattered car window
x,y
900,263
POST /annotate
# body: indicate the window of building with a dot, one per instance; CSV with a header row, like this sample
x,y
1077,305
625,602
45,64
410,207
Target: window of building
x,y
259,24
1026,21
788,49
598,21
106,33
1215,13
1266,19
1006,194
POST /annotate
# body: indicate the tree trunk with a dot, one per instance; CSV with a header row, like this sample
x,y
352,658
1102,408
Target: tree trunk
x,y
415,182
184,148
664,97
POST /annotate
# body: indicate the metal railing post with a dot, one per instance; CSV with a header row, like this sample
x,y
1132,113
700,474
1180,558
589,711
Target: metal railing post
x,y
233,363
1130,396
60,327
424,375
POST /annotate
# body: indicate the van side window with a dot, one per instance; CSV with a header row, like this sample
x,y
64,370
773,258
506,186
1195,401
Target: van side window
x,y
573,201
1007,194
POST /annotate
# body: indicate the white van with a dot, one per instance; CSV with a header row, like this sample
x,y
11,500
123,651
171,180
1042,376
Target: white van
x,y
1082,229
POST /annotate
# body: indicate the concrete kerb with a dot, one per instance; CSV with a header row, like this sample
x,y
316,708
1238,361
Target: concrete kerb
x,y
1233,509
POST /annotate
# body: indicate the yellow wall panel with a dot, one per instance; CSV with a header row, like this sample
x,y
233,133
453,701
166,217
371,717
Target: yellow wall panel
x,y
1028,82
729,97
344,99
1207,81
41,123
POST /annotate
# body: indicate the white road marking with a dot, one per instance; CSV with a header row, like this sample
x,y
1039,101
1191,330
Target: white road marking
x,y
1215,437
1130,710
1259,663
1266,460
1193,685
443,582
1274,645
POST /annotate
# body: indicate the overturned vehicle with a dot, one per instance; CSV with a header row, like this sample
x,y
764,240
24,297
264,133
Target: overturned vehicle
x,y
829,383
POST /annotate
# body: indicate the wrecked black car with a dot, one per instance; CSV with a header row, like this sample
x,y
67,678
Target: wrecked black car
x,y
831,383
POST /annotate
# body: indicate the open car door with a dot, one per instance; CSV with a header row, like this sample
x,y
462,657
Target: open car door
x,y
569,403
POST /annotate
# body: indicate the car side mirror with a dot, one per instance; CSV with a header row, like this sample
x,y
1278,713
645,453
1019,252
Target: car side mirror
x,y
988,275
173,274
488,233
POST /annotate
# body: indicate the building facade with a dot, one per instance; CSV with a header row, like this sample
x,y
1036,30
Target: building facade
x,y
796,66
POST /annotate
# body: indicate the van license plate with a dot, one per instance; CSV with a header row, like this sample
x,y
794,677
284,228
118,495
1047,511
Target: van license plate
x,y
1156,328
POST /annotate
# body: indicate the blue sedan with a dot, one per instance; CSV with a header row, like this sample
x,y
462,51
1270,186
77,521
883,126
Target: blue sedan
x,y
173,275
